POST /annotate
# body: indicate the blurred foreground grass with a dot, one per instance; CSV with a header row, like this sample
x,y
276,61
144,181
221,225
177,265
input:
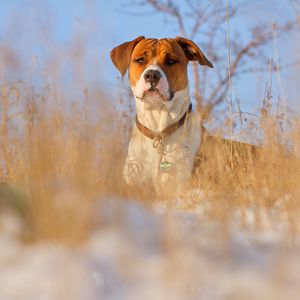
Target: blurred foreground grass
x,y
59,158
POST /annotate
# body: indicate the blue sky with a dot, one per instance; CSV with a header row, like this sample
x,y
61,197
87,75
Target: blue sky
x,y
43,30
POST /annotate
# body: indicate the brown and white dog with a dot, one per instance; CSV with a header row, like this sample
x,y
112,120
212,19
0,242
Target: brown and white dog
x,y
167,132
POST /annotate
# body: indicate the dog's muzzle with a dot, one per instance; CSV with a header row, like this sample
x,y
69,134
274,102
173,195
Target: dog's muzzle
x,y
153,86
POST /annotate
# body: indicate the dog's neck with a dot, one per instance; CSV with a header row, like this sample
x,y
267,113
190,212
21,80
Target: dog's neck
x,y
158,116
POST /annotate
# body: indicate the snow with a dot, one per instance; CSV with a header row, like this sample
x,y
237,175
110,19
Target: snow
x,y
162,253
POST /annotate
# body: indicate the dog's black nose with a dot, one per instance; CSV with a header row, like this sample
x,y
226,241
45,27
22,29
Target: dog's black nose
x,y
152,77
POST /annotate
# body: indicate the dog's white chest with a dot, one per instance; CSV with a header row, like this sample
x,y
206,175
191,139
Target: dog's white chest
x,y
167,166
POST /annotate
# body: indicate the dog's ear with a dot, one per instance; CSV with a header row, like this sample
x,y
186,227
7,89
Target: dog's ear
x,y
192,51
120,55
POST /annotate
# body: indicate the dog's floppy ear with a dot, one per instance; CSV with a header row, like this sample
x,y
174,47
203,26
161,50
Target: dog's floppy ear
x,y
192,51
120,55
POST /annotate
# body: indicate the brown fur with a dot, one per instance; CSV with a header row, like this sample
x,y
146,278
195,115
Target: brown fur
x,y
159,50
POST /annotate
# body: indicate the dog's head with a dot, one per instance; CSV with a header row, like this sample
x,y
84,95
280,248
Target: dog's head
x,y
157,67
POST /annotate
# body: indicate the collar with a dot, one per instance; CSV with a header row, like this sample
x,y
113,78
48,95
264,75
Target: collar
x,y
167,131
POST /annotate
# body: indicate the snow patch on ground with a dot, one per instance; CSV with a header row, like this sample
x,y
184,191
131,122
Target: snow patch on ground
x,y
137,253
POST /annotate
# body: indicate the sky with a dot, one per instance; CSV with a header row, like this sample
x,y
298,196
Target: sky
x,y
45,30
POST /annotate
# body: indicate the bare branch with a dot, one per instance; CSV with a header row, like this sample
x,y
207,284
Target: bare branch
x,y
208,21
261,39
171,9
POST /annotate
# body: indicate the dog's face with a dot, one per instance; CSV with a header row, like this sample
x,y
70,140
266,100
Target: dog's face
x,y
157,67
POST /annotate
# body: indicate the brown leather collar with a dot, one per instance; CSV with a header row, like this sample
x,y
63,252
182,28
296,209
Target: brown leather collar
x,y
167,131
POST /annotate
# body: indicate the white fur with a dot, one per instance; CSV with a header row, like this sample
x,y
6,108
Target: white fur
x,y
143,160
142,86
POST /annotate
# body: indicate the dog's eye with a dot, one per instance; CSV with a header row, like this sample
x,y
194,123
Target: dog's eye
x,y
140,60
171,61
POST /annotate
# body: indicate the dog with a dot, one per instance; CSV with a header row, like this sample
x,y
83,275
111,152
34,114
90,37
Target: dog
x,y
167,132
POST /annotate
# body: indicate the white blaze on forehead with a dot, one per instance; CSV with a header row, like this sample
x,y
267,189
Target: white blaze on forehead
x,y
142,86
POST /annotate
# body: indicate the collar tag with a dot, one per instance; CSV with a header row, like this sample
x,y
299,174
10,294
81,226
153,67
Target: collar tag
x,y
165,166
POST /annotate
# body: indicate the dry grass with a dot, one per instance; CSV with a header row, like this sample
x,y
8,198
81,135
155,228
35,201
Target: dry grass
x,y
58,158
56,162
